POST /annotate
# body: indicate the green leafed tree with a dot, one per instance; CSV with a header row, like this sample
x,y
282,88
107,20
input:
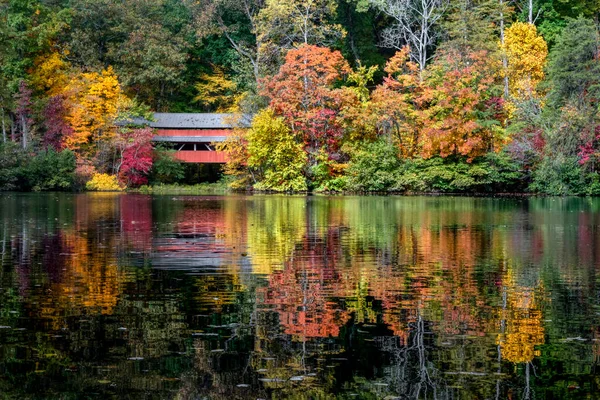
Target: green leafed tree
x,y
574,68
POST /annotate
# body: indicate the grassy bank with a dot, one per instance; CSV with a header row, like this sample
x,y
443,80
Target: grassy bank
x,y
198,189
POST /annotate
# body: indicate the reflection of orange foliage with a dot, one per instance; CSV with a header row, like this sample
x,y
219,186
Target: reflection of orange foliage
x,y
300,295
86,277
93,280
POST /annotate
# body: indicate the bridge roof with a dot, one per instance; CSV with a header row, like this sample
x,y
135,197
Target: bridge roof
x,y
189,139
192,121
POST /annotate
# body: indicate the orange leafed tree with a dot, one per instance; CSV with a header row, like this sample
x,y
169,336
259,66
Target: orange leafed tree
x,y
303,93
463,116
453,110
398,103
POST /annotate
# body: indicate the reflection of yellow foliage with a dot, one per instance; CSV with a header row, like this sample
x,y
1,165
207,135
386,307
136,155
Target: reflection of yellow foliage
x,y
94,282
275,227
91,282
524,330
217,291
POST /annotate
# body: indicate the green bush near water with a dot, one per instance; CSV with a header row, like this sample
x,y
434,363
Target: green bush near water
x,y
375,167
48,170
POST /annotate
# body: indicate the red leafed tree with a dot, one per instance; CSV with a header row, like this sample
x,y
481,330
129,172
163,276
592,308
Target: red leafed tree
x,y
303,93
589,151
54,121
134,150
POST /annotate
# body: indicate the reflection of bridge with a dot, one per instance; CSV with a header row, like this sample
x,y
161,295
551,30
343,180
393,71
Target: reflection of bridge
x,y
194,136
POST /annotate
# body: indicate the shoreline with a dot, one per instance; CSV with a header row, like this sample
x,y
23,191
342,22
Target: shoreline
x,y
219,189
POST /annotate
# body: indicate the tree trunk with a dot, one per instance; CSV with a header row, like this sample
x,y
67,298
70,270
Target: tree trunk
x,y
351,41
504,60
24,132
13,130
3,128
531,11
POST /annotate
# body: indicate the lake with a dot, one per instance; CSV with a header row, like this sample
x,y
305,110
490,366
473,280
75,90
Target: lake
x,y
293,297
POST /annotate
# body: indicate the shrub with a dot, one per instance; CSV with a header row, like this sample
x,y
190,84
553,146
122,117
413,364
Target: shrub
x,y
489,173
104,183
12,158
49,170
561,175
492,172
374,166
166,169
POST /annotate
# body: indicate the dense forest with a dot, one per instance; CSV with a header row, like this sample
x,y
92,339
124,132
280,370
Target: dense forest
x,y
346,95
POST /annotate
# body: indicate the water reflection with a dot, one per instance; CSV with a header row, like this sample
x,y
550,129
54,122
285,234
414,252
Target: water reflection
x,y
298,297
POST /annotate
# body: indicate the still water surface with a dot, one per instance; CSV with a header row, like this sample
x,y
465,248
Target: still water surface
x,y
245,297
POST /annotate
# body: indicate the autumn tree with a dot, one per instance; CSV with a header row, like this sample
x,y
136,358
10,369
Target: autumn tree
x,y
303,93
464,114
93,104
526,53
398,103
133,155
275,155
55,122
453,111
216,91
236,148
358,116
50,73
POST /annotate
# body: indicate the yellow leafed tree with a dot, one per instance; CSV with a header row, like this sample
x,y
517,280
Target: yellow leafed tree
x,y
526,52
216,91
93,104
50,73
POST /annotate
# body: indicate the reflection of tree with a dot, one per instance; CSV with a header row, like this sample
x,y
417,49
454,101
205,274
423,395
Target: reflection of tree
x,y
275,226
294,284
522,322
412,373
136,221
300,295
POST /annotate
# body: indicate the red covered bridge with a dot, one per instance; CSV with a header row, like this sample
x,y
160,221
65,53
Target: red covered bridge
x,y
194,135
